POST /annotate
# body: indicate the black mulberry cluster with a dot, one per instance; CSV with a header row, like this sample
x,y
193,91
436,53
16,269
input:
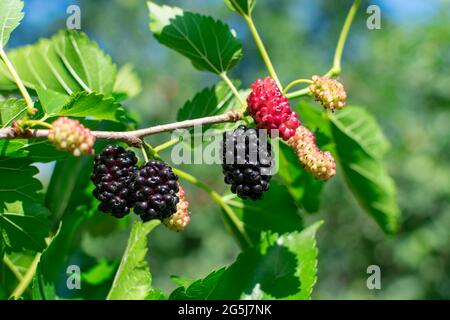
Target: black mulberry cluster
x,y
113,176
155,191
247,162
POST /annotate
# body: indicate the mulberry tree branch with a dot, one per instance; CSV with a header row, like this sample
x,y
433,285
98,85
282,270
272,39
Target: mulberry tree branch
x,y
135,137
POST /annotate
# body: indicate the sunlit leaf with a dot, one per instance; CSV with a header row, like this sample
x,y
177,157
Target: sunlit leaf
x,y
94,106
10,16
208,43
66,63
11,110
133,278
200,289
279,267
127,82
360,146
302,186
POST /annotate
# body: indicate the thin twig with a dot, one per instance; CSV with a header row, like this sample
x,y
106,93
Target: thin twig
x,y
135,137
336,68
262,50
27,278
13,268
245,241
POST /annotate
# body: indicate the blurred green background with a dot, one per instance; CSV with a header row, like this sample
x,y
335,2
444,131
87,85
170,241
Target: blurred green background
x,y
400,73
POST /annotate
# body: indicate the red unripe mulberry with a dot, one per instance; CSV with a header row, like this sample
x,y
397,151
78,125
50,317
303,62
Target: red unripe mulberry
x,y
270,109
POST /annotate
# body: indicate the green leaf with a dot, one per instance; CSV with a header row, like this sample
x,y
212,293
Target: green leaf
x,y
243,7
301,185
283,267
66,188
156,295
280,267
11,110
53,263
208,102
209,44
43,151
277,212
91,105
127,82
182,281
2,248
133,279
52,101
86,62
67,63
100,273
360,146
21,262
23,218
317,121
200,289
10,16
24,226
13,148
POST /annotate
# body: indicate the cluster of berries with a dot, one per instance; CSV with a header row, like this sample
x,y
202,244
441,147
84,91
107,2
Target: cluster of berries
x,y
271,110
152,189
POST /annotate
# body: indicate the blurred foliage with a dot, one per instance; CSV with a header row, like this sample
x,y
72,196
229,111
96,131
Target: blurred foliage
x,y
400,73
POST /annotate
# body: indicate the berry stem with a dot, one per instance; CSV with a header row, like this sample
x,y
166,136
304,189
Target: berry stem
x,y
18,81
166,145
233,88
244,240
298,94
144,153
336,68
39,123
27,278
150,152
12,267
262,49
294,83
